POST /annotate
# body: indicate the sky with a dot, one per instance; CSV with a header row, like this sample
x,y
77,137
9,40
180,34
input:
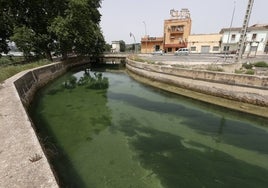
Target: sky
x,y
140,17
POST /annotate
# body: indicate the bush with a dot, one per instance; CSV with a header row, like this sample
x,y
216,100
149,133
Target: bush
x,y
250,71
261,64
247,65
8,71
215,68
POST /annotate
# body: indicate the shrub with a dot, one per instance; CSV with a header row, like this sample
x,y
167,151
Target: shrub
x,y
250,71
261,64
247,65
215,68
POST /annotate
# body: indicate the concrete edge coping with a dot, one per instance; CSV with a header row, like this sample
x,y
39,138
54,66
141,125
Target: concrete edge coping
x,y
23,162
159,80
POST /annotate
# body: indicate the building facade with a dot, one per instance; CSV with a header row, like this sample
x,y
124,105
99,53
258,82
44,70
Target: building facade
x,y
205,43
151,44
256,41
176,32
115,47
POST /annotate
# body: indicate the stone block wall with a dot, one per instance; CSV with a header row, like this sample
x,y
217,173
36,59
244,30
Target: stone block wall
x,y
242,88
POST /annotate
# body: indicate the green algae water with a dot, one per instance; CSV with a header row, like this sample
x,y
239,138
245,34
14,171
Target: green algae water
x,y
111,131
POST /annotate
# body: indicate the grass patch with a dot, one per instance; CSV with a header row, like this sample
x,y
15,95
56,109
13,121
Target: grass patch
x,y
250,71
179,66
8,71
8,60
215,68
261,64
136,58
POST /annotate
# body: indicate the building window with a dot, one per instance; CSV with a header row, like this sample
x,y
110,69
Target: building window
x,y
216,48
177,28
226,48
233,37
169,49
254,36
193,48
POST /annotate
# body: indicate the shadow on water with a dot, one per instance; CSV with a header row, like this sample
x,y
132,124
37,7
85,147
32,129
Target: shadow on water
x,y
220,128
68,125
177,166
57,156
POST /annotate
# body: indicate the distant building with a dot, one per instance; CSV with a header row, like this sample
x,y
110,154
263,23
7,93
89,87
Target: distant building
x,y
256,39
175,36
115,47
177,30
205,43
150,44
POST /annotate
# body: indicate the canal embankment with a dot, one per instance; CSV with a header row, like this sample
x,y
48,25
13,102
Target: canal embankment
x,y
246,93
23,162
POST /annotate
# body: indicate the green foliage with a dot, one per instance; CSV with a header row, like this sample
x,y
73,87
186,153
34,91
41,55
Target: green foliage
x,y
250,71
247,65
239,71
4,61
78,30
90,82
53,25
122,46
107,47
215,68
261,64
6,25
6,72
70,83
23,37
137,58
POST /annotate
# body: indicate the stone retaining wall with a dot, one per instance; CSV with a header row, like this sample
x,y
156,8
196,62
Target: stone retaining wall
x,y
243,88
23,162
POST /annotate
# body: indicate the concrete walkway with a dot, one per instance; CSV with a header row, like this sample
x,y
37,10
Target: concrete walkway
x,y
22,160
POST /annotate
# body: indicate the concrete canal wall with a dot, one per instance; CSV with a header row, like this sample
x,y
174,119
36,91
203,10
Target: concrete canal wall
x,y
23,162
245,93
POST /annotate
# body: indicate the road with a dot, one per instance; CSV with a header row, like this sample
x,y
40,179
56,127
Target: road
x,y
201,58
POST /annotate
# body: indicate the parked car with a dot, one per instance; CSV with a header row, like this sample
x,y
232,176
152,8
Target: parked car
x,y
158,52
182,51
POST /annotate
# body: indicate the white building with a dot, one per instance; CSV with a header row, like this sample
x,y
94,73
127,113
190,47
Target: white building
x,y
115,46
256,41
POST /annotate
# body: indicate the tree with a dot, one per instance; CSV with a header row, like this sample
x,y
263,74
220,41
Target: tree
x,y
78,30
6,23
108,47
23,38
122,46
51,25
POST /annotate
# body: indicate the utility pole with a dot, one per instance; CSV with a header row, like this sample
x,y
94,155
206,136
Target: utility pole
x,y
241,44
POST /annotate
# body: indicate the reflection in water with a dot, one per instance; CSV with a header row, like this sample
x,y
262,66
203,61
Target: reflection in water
x,y
119,133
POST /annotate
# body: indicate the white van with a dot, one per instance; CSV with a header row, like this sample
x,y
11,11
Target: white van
x,y
182,51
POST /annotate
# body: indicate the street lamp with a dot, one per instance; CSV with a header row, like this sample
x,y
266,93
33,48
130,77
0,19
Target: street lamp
x,y
131,35
231,24
146,38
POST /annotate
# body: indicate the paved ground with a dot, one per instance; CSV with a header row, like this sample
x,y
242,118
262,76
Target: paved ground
x,y
202,61
22,160
202,58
